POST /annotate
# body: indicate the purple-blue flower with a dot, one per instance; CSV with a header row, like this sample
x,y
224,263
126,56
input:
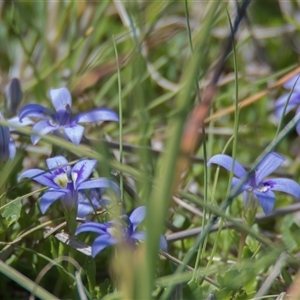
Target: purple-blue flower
x,y
262,188
90,201
67,182
7,145
293,98
118,231
61,121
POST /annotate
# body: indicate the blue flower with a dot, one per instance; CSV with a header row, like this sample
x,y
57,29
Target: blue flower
x,y
62,121
7,145
118,231
294,99
66,183
262,188
90,201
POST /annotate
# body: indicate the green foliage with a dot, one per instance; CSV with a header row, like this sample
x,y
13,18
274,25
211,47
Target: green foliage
x,y
290,233
11,213
146,60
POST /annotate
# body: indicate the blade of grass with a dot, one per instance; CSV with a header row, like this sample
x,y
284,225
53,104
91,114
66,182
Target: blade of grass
x,y
158,204
120,121
25,282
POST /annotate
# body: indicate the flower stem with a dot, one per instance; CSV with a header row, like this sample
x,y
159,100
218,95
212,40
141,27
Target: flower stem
x,y
249,216
242,244
71,220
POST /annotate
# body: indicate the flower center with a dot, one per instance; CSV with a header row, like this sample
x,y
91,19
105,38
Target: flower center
x,y
263,187
52,122
122,229
113,231
61,180
74,176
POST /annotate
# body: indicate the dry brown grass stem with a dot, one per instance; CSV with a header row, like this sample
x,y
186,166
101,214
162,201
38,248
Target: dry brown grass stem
x,y
253,98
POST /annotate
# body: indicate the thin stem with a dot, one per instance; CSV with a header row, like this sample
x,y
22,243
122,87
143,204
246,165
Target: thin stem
x,y
242,243
187,17
120,121
201,250
222,221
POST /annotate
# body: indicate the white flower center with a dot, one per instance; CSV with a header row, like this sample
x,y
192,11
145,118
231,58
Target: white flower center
x,y
74,176
52,122
263,188
112,231
61,180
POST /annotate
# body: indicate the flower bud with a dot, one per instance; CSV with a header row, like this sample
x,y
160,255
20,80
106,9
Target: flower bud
x,y
13,95
7,146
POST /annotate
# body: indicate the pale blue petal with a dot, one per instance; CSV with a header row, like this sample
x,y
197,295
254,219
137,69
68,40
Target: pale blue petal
x,y
284,185
12,149
140,235
102,242
137,216
48,198
163,244
294,81
42,127
93,227
87,206
57,162
34,110
280,104
16,122
266,200
82,170
99,183
267,166
94,196
74,133
238,183
227,162
31,173
60,98
298,124
96,115
40,176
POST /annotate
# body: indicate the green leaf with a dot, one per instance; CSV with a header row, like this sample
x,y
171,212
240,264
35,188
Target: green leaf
x,y
12,212
252,243
25,282
90,268
290,234
193,291
104,288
